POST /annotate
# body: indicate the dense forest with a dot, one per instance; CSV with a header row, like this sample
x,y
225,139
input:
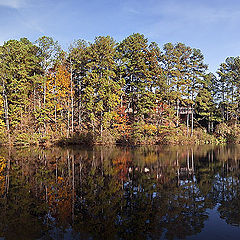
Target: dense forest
x,y
105,92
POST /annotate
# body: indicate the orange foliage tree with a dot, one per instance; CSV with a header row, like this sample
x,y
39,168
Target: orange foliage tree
x,y
60,200
59,97
122,124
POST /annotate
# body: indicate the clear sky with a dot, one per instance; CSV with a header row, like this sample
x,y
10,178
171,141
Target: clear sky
x,y
210,25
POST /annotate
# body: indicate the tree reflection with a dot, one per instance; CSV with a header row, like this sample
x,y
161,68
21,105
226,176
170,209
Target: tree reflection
x,y
116,193
22,212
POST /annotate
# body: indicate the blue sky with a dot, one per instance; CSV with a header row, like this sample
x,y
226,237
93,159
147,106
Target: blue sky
x,y
210,25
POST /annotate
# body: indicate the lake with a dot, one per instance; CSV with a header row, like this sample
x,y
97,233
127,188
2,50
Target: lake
x,y
157,192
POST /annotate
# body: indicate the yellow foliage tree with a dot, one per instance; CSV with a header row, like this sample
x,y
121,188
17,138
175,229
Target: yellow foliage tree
x,y
59,96
2,123
3,164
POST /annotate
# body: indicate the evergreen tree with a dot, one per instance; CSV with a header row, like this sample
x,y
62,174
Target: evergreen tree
x,y
138,60
102,89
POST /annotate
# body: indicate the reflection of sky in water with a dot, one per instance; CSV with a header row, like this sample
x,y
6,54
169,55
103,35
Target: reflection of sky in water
x,y
216,228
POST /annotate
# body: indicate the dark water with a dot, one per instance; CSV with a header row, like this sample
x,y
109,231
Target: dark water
x,y
120,193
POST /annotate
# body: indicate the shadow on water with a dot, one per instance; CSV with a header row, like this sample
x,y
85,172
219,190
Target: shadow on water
x,y
156,192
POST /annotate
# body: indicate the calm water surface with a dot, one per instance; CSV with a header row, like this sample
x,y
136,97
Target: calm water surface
x,y
120,193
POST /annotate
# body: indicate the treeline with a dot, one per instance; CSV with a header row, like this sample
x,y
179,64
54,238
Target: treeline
x,y
107,92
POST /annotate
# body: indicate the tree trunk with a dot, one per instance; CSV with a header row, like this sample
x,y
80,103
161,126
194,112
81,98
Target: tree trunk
x,y
101,125
44,104
177,112
187,122
227,114
68,122
192,160
79,107
34,97
55,104
93,128
192,123
72,100
5,106
55,116
61,122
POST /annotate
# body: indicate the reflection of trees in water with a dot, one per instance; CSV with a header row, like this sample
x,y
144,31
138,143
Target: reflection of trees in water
x,y
117,192
228,197
22,212
218,177
185,210
226,192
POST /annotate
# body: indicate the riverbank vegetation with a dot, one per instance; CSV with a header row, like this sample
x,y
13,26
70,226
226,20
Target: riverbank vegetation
x,y
105,92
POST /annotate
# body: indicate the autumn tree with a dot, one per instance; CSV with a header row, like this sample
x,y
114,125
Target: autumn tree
x,y
49,53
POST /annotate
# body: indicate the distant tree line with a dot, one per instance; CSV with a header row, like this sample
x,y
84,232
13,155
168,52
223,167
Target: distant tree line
x,y
107,92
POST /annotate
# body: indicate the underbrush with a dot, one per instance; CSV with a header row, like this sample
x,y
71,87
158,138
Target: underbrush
x,y
139,134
